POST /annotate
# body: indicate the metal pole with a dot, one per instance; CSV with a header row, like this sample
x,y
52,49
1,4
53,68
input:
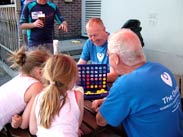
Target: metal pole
x,y
18,14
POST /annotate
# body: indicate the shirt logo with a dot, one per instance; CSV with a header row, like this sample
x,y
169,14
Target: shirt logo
x,y
35,14
100,56
166,78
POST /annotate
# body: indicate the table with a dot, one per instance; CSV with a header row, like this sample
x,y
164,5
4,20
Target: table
x,y
91,129
88,126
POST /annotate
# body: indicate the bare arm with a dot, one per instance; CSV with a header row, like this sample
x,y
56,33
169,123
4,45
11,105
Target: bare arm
x,y
23,120
97,103
81,61
30,94
37,24
33,120
63,26
80,100
112,75
100,120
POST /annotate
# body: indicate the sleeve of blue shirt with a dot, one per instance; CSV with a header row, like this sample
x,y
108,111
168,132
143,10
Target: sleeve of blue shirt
x,y
115,109
85,55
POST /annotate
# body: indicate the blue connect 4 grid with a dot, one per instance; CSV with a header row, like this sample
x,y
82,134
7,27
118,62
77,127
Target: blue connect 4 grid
x,y
93,78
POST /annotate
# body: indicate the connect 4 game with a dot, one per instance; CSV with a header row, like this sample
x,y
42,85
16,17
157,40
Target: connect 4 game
x,y
93,78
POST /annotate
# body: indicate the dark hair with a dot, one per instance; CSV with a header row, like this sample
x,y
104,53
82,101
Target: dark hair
x,y
134,25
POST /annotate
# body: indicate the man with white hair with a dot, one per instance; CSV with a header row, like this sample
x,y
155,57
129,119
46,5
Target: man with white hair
x,y
145,99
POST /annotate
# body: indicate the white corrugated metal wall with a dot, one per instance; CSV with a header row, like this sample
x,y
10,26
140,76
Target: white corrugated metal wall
x,y
90,8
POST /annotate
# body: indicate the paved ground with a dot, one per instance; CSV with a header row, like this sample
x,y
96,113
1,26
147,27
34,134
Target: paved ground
x,y
65,46
72,44
4,77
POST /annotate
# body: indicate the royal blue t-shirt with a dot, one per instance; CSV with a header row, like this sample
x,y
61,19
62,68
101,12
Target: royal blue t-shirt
x,y
37,36
95,54
147,102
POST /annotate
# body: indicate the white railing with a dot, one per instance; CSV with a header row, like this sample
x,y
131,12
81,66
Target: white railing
x,y
10,36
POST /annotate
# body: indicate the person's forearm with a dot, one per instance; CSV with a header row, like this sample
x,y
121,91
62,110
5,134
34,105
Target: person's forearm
x,y
100,120
24,125
27,26
111,77
81,61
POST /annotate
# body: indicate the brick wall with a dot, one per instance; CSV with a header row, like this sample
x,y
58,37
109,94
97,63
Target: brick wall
x,y
72,14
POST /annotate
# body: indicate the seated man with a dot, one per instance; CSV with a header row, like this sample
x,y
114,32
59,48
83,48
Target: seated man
x,y
145,98
95,48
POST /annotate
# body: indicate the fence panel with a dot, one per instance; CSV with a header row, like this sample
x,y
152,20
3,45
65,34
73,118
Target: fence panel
x,y
10,35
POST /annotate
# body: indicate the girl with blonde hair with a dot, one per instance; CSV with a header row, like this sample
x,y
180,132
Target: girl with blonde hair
x,y
58,110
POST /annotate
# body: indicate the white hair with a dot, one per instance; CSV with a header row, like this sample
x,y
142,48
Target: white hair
x,y
127,45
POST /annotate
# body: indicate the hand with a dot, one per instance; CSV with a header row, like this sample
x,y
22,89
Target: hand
x,y
38,24
16,121
96,104
63,26
79,88
80,133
